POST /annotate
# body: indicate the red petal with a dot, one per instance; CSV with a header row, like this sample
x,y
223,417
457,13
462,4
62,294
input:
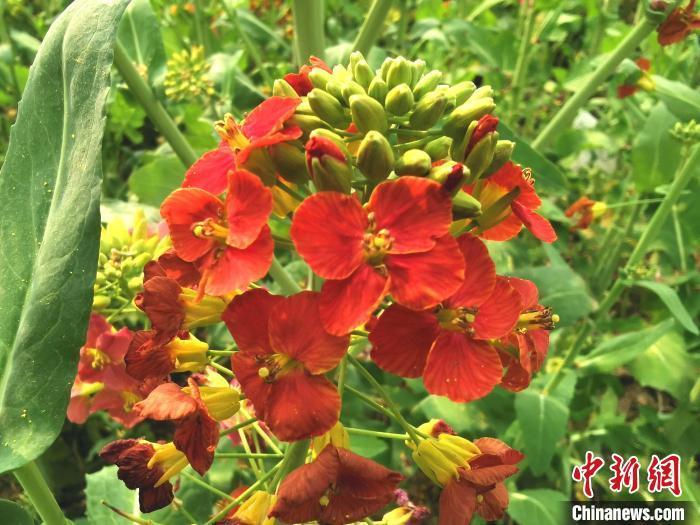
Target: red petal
x,y
301,406
494,503
151,499
457,503
348,303
181,209
166,402
504,230
289,133
498,316
496,447
247,319
490,473
422,280
115,344
209,172
248,205
234,269
510,176
295,330
328,230
161,302
461,368
148,357
538,225
196,436
479,273
416,211
78,409
402,339
269,116
170,265
258,391
98,326
527,290
300,82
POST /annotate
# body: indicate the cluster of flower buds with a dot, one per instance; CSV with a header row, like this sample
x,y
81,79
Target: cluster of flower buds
x,y
187,76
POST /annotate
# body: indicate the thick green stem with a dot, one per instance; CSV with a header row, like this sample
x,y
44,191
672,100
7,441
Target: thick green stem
x,y
154,109
309,36
250,47
235,428
39,494
650,233
294,457
371,29
283,279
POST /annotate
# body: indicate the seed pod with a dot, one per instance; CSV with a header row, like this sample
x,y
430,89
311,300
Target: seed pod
x,y
375,157
328,108
351,88
464,206
290,161
413,162
399,100
462,91
399,72
460,118
428,111
427,83
501,155
368,114
378,90
319,77
363,73
327,165
439,148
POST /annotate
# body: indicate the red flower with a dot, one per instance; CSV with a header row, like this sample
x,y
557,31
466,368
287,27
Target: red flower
x,y
636,81
171,266
154,354
300,81
397,243
337,487
148,467
450,346
229,242
102,355
283,356
504,223
264,126
586,210
679,24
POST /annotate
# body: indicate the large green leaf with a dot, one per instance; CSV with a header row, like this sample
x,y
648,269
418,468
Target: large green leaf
x,y
670,298
104,486
538,507
139,33
680,99
666,365
14,514
49,226
655,152
154,181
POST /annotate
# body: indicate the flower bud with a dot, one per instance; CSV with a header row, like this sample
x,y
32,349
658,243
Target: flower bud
x,y
460,118
335,88
499,210
307,123
327,165
290,161
378,89
439,148
413,162
368,114
461,91
399,72
259,162
399,100
481,155
417,69
482,92
451,176
363,73
351,88
255,509
375,157
428,111
319,77
327,107
336,436
427,83
334,137
100,302
282,88
464,206
501,155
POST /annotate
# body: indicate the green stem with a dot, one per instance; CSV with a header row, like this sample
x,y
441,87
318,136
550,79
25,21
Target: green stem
x,y
221,368
221,352
294,457
206,486
250,47
245,455
154,109
371,29
370,402
235,428
523,52
309,36
604,273
283,279
679,238
289,191
376,433
39,494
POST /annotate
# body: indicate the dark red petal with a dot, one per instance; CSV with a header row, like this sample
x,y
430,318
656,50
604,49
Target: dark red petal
x,y
151,499
234,269
161,302
402,339
499,314
422,280
457,503
209,172
328,230
479,273
538,225
196,436
301,406
131,457
111,451
415,210
295,330
300,82
269,116
148,357
247,318
348,303
461,368
246,366
166,402
529,295
494,503
181,210
490,473
248,205
170,265
496,447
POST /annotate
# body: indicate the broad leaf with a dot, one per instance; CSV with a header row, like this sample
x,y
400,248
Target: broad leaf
x,y
655,152
139,33
13,513
680,99
49,226
538,507
154,181
104,486
670,298
666,365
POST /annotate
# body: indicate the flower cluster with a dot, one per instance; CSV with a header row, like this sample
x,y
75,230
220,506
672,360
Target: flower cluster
x,y
388,185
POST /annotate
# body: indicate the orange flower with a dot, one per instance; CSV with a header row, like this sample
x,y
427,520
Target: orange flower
x,y
679,24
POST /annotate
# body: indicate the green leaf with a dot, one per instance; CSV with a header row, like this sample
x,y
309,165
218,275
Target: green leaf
x,y
666,365
368,446
548,176
621,349
104,485
543,422
14,514
680,99
670,298
49,226
139,33
538,507
460,416
655,152
154,181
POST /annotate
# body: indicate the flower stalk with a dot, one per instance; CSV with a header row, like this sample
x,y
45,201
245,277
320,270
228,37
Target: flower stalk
x,y
309,37
39,493
372,26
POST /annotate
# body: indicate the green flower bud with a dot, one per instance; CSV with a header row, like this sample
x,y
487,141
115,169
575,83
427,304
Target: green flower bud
x,y
143,258
501,155
378,90
327,107
417,69
100,278
460,118
493,214
328,165
399,72
351,88
427,83
307,123
413,162
290,161
102,259
458,150
375,157
335,87
282,88
355,57
319,77
428,111
304,107
399,100
334,137
260,163
363,73
462,91
439,148
100,302
481,155
135,284
482,92
464,206
384,69
368,114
